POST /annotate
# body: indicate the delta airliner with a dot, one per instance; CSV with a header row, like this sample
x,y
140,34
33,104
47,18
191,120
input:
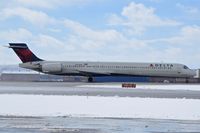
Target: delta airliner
x,y
92,69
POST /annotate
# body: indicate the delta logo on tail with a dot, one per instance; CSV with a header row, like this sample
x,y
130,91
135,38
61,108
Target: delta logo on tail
x,y
23,52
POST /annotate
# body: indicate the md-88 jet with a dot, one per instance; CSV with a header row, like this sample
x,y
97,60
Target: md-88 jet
x,y
95,69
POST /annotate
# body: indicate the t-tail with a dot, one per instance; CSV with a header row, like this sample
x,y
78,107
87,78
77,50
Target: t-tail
x,y
24,53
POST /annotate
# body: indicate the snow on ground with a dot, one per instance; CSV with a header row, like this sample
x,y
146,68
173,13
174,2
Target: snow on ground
x,y
148,86
83,106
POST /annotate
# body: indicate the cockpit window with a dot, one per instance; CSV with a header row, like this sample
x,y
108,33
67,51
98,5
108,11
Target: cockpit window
x,y
185,67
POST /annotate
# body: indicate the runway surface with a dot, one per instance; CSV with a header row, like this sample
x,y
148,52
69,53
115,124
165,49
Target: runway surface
x,y
13,124
69,124
60,88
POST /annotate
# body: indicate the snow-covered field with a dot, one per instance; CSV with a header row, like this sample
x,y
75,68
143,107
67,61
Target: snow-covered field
x,y
83,106
149,86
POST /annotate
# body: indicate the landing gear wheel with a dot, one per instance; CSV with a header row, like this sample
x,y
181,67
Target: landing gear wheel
x,y
90,79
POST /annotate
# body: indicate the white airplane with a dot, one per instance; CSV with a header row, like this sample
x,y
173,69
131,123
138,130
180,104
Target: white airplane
x,y
92,69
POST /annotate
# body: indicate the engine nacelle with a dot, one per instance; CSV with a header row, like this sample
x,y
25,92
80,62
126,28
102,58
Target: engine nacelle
x,y
51,67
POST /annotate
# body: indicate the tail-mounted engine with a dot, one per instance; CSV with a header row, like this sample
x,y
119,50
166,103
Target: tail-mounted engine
x,y
51,67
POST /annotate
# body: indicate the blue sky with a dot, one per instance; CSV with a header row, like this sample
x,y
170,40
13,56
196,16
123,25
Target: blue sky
x,y
103,30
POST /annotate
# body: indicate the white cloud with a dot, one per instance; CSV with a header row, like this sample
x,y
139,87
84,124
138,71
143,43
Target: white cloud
x,y
183,47
101,44
46,41
86,32
170,54
38,3
37,18
19,35
156,1
92,38
55,30
23,35
188,9
188,36
137,18
50,3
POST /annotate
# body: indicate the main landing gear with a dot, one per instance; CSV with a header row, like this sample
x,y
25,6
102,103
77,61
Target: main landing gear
x,y
90,79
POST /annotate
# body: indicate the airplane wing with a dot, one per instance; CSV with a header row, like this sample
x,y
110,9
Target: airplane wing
x,y
95,73
90,73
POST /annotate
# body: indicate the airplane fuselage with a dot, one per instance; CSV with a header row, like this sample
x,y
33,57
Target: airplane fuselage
x,y
90,69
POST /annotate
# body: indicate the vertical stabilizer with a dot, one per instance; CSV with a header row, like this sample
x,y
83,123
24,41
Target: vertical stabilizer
x,y
23,52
